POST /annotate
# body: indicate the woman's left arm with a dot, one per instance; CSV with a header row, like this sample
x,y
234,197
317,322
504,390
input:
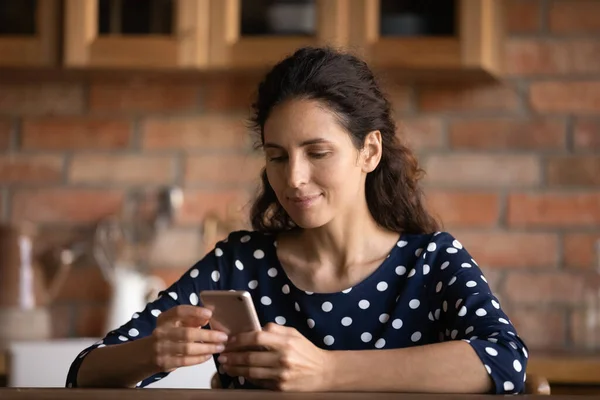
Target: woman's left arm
x,y
449,367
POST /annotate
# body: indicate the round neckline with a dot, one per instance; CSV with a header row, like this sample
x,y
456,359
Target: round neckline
x,y
372,276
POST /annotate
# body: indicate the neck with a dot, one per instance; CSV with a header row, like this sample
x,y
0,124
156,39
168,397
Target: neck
x,y
348,240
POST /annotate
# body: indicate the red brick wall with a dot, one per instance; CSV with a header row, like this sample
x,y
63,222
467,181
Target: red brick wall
x,y
513,167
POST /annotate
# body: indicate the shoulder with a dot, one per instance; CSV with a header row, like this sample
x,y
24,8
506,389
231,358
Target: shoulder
x,y
445,242
437,248
244,242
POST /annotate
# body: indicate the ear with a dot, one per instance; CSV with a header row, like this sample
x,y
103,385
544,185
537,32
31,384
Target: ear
x,y
371,151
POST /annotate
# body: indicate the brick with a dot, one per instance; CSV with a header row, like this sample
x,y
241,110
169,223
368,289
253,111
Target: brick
x,y
554,209
504,134
582,250
586,134
574,16
494,278
74,133
422,133
565,97
482,170
64,205
523,16
30,168
541,329
231,94
224,169
580,336
512,249
560,288
199,203
91,320
457,98
120,169
142,97
192,133
464,208
5,133
84,284
523,57
400,97
573,171
45,98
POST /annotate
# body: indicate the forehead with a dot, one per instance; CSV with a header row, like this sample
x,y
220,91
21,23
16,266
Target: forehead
x,y
298,120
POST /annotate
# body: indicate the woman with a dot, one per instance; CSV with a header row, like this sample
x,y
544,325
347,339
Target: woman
x,y
356,288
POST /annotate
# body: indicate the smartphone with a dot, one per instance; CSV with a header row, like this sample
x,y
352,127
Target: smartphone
x,y
233,311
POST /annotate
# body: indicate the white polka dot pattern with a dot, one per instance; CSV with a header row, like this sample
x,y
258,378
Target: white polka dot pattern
x,y
428,289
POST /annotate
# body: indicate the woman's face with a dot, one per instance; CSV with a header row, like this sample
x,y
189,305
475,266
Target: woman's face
x,y
311,163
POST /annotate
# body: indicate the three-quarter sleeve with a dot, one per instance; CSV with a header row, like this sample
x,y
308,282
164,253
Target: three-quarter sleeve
x,y
469,311
204,275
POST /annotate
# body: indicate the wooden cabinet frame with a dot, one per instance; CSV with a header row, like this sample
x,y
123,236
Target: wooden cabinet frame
x,y
187,47
38,50
477,45
229,49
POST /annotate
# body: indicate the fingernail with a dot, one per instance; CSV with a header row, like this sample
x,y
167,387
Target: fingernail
x,y
205,312
220,348
222,337
222,359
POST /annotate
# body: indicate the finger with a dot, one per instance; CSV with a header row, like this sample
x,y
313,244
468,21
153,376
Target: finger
x,y
253,358
281,329
264,383
189,349
181,334
253,340
169,363
190,315
254,373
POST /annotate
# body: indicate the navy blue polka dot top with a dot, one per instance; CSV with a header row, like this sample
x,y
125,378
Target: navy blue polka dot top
x,y
428,290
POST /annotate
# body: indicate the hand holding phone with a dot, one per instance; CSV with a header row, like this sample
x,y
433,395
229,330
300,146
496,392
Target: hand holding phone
x,y
233,312
177,342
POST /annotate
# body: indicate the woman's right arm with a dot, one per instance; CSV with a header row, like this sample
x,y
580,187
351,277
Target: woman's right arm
x,y
160,338
176,342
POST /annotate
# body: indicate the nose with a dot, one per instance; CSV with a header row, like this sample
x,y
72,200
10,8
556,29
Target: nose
x,y
297,172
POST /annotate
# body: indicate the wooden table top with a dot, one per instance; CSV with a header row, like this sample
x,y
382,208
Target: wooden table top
x,y
200,394
566,367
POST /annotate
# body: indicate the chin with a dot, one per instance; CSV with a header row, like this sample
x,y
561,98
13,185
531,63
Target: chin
x,y
305,221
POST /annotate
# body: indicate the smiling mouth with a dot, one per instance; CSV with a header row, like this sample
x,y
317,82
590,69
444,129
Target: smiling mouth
x,y
304,201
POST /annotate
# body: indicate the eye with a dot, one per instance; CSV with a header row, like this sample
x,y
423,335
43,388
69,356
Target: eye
x,y
277,159
319,154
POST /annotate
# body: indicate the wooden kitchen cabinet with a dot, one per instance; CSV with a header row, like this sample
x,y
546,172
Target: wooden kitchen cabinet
x,y
29,32
461,36
136,34
258,33
451,35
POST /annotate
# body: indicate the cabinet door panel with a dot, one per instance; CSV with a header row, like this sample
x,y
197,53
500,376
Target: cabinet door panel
x,y
257,33
29,33
124,34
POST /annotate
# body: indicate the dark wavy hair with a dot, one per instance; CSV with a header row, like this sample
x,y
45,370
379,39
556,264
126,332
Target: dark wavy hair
x,y
345,84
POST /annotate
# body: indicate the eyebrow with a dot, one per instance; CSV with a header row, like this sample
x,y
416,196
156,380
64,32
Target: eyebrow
x,y
305,143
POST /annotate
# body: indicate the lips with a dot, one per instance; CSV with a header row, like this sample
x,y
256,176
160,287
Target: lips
x,y
304,201
301,199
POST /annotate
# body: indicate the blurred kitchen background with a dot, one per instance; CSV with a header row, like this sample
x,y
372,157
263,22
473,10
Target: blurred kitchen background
x,y
122,133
